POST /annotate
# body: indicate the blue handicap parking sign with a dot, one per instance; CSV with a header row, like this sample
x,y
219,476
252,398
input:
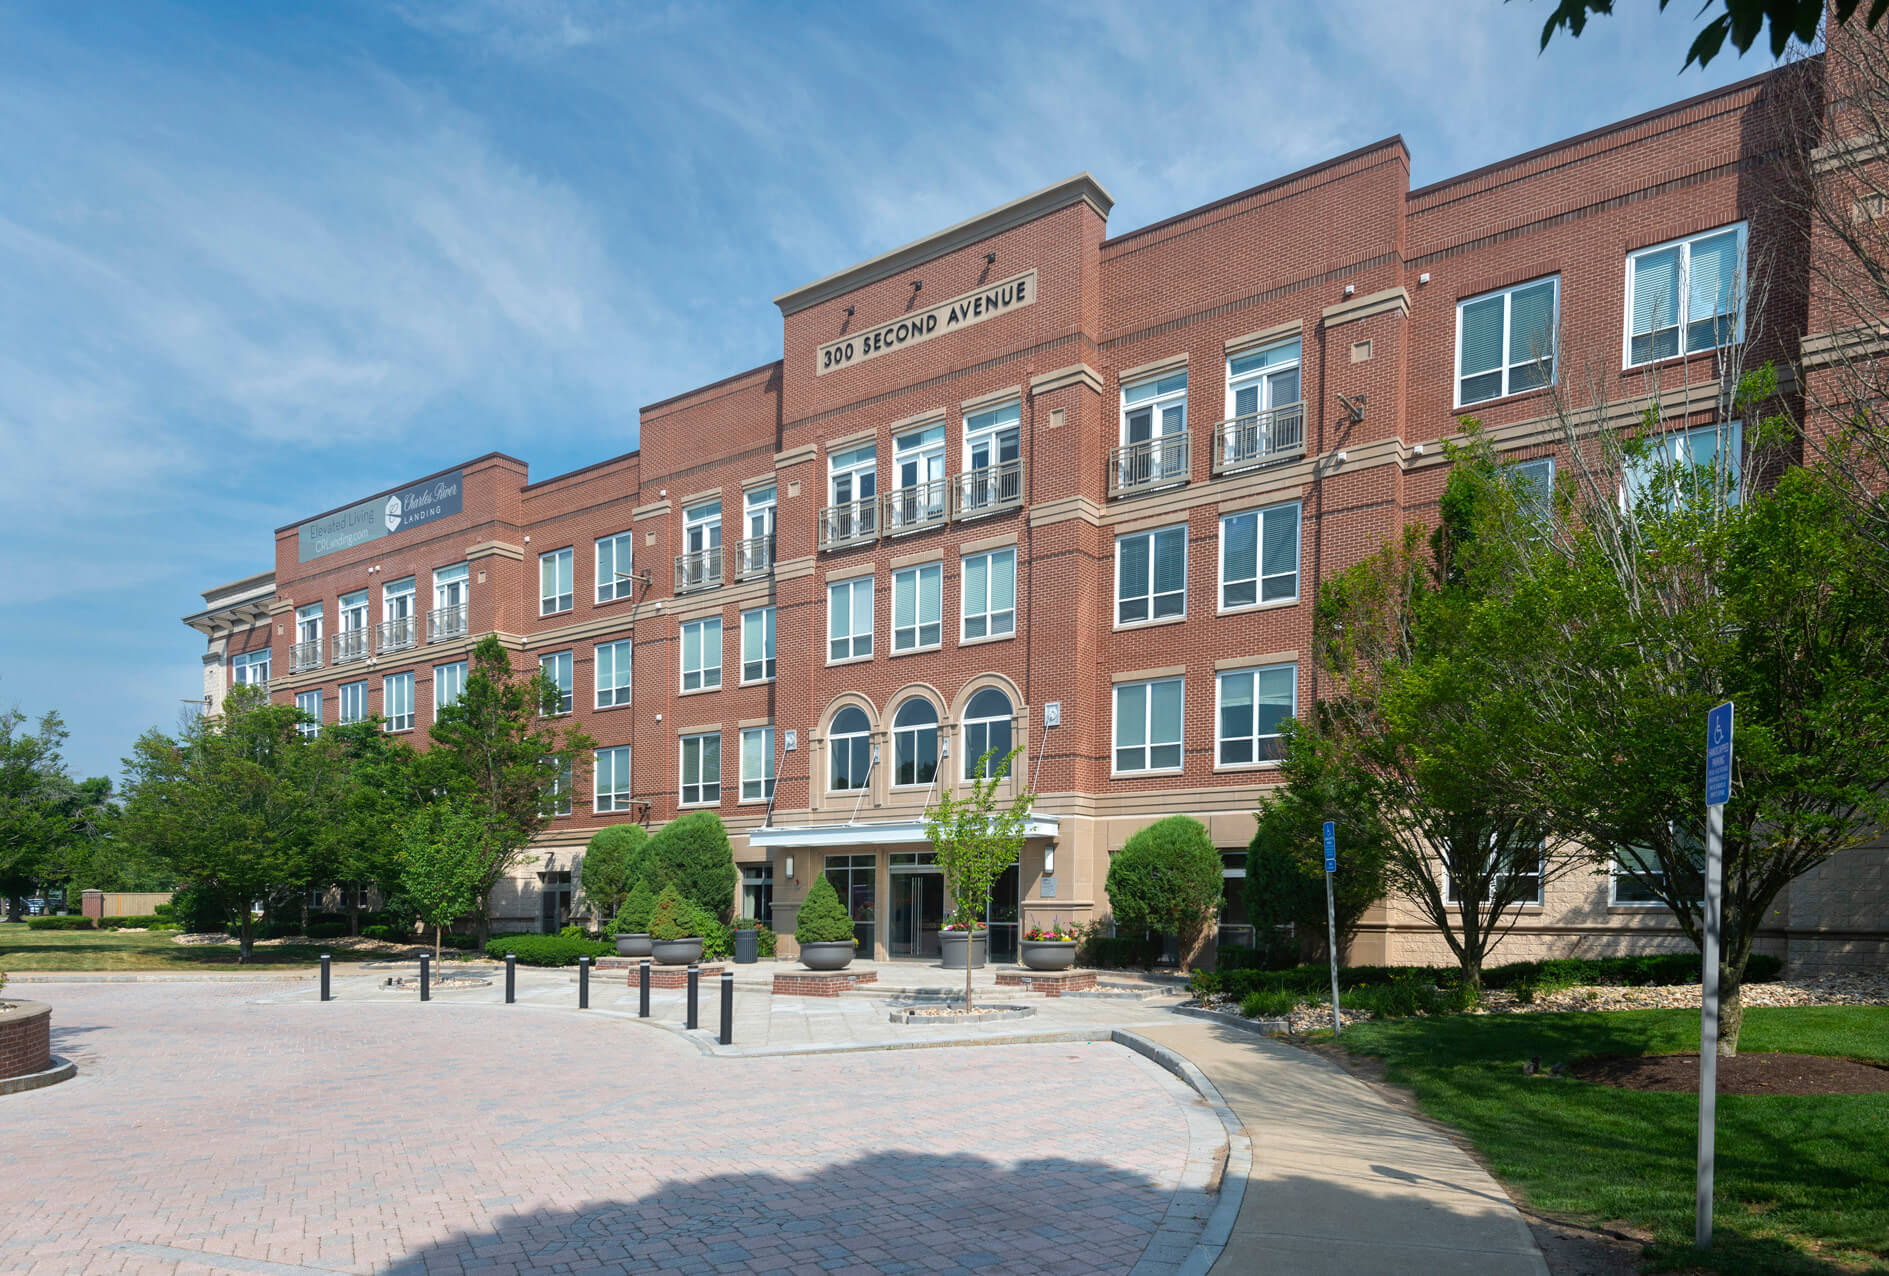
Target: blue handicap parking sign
x,y
1718,755
1331,847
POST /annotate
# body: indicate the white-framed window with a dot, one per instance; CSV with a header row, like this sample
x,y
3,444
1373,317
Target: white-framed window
x,y
757,764
1505,341
918,465
1253,702
449,683
615,559
1148,725
918,607
986,731
557,667
1626,890
1263,380
849,750
992,445
353,702
309,702
308,623
353,614
1259,557
1151,575
613,673
250,669
701,527
1534,487
1155,408
701,769
849,619
757,526
701,654
449,586
1685,296
915,743
1686,463
554,581
396,600
757,645
557,795
396,701
989,585
612,779
1531,877
853,475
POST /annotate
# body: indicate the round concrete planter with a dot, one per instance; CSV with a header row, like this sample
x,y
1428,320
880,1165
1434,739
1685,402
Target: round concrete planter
x,y
1047,954
954,944
675,952
828,954
633,945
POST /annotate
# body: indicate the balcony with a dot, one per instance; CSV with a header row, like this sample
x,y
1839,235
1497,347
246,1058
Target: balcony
x,y
397,634
304,656
446,623
913,509
853,523
991,490
1149,464
754,557
350,644
1246,442
699,569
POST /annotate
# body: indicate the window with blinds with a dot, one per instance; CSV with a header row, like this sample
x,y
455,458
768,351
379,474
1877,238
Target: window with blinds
x,y
1259,557
918,607
1686,296
1505,341
1151,576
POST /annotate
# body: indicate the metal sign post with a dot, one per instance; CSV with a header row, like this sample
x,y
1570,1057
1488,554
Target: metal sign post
x,y
1331,920
1718,791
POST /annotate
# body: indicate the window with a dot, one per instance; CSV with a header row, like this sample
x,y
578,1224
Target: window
x,y
757,764
1686,296
1263,380
701,769
990,594
449,604
1253,702
856,878
557,794
757,517
613,779
554,581
614,566
1632,890
353,702
1534,488
1530,877
849,619
701,654
1151,575
757,892
309,702
396,701
986,731
1505,342
849,742
351,627
852,476
613,673
1148,726
449,683
918,477
700,564
1259,557
917,607
915,742
1685,465
993,474
251,669
308,623
1154,409
757,645
557,667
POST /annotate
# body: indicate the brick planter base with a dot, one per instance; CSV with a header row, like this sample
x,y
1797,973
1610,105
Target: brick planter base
x,y
674,976
25,1039
1051,983
821,983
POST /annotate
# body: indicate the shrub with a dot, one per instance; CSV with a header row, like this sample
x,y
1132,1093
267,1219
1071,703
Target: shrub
x,y
199,910
59,923
1272,1003
387,933
614,860
466,943
326,930
692,855
1167,879
633,917
144,921
1527,978
718,937
822,919
1119,952
161,910
574,931
545,950
673,917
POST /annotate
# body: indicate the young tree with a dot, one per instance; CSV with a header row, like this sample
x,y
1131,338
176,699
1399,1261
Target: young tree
x,y
976,840
613,865
34,821
501,745
377,785
1167,878
442,862
692,854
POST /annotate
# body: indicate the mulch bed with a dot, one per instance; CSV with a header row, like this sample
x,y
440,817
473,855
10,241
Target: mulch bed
x,y
1741,1074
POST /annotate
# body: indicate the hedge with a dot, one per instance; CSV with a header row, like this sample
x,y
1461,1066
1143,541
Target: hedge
x,y
138,922
1533,976
547,950
327,930
1121,952
59,923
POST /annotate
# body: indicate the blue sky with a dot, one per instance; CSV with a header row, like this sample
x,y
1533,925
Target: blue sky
x,y
259,260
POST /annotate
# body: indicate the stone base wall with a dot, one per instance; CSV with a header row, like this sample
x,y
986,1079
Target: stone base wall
x,y
25,1039
673,977
821,983
1051,983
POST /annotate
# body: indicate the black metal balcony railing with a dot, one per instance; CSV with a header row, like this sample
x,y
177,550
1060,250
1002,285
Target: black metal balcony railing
x,y
446,623
853,523
1259,439
397,634
1148,464
754,556
350,644
698,569
304,656
987,491
912,509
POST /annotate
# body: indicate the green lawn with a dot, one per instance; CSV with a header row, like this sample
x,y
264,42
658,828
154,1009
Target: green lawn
x,y
1803,1181
23,949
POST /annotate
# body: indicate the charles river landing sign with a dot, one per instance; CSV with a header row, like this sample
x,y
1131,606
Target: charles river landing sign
x,y
380,516
947,316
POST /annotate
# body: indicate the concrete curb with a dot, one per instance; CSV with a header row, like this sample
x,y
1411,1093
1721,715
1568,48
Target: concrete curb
x,y
916,1015
159,977
61,1070
1264,1027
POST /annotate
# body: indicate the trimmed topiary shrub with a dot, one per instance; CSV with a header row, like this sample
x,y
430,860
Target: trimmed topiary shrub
x,y
633,917
614,860
822,918
675,918
1167,879
692,854
546,950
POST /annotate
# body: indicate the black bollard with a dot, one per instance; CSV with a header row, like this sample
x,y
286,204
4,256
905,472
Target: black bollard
x,y
695,974
642,1000
728,1007
511,978
583,983
426,977
324,978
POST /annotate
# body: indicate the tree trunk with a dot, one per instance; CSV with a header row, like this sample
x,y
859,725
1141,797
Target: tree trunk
x,y
243,936
1731,1008
970,945
304,914
354,911
1472,973
439,933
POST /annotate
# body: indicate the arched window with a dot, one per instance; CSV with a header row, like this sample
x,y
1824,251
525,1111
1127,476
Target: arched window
x,y
849,741
915,742
986,730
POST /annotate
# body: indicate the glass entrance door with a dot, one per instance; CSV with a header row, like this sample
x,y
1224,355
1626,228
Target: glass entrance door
x,y
917,912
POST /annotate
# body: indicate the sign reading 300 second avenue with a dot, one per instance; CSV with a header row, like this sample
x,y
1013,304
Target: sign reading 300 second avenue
x,y
947,316
381,516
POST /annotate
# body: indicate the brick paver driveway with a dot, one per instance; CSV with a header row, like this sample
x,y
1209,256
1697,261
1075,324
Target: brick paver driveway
x,y
206,1133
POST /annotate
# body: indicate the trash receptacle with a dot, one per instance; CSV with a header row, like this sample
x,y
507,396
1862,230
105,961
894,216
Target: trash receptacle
x,y
747,946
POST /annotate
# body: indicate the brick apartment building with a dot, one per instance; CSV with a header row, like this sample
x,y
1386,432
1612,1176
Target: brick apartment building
x,y
1026,482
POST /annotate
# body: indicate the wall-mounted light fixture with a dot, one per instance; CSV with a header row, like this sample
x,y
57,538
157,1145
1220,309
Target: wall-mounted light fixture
x,y
990,259
849,312
789,864
1049,860
917,284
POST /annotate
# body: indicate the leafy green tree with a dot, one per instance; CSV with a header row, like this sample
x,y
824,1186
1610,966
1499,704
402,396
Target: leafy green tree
x,y
34,821
614,862
1168,879
378,785
442,862
502,746
692,854
976,840
1741,22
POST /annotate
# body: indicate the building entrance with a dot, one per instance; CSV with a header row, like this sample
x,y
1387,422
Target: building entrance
x,y
918,905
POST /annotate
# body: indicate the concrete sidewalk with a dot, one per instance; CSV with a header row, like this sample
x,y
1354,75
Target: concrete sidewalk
x,y
1341,1181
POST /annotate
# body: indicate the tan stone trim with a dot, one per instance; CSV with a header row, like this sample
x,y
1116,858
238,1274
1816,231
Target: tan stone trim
x,y
1254,662
696,498
1397,299
497,549
1265,337
793,568
989,542
1075,374
1174,519
1262,500
978,402
748,724
279,605
1828,349
641,512
705,728
1150,675
1150,371
934,555
621,624
848,573
759,480
847,442
698,610
930,416
796,455
1069,509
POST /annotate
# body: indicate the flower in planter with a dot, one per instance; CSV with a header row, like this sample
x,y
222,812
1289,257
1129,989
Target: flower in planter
x,y
958,926
1054,933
